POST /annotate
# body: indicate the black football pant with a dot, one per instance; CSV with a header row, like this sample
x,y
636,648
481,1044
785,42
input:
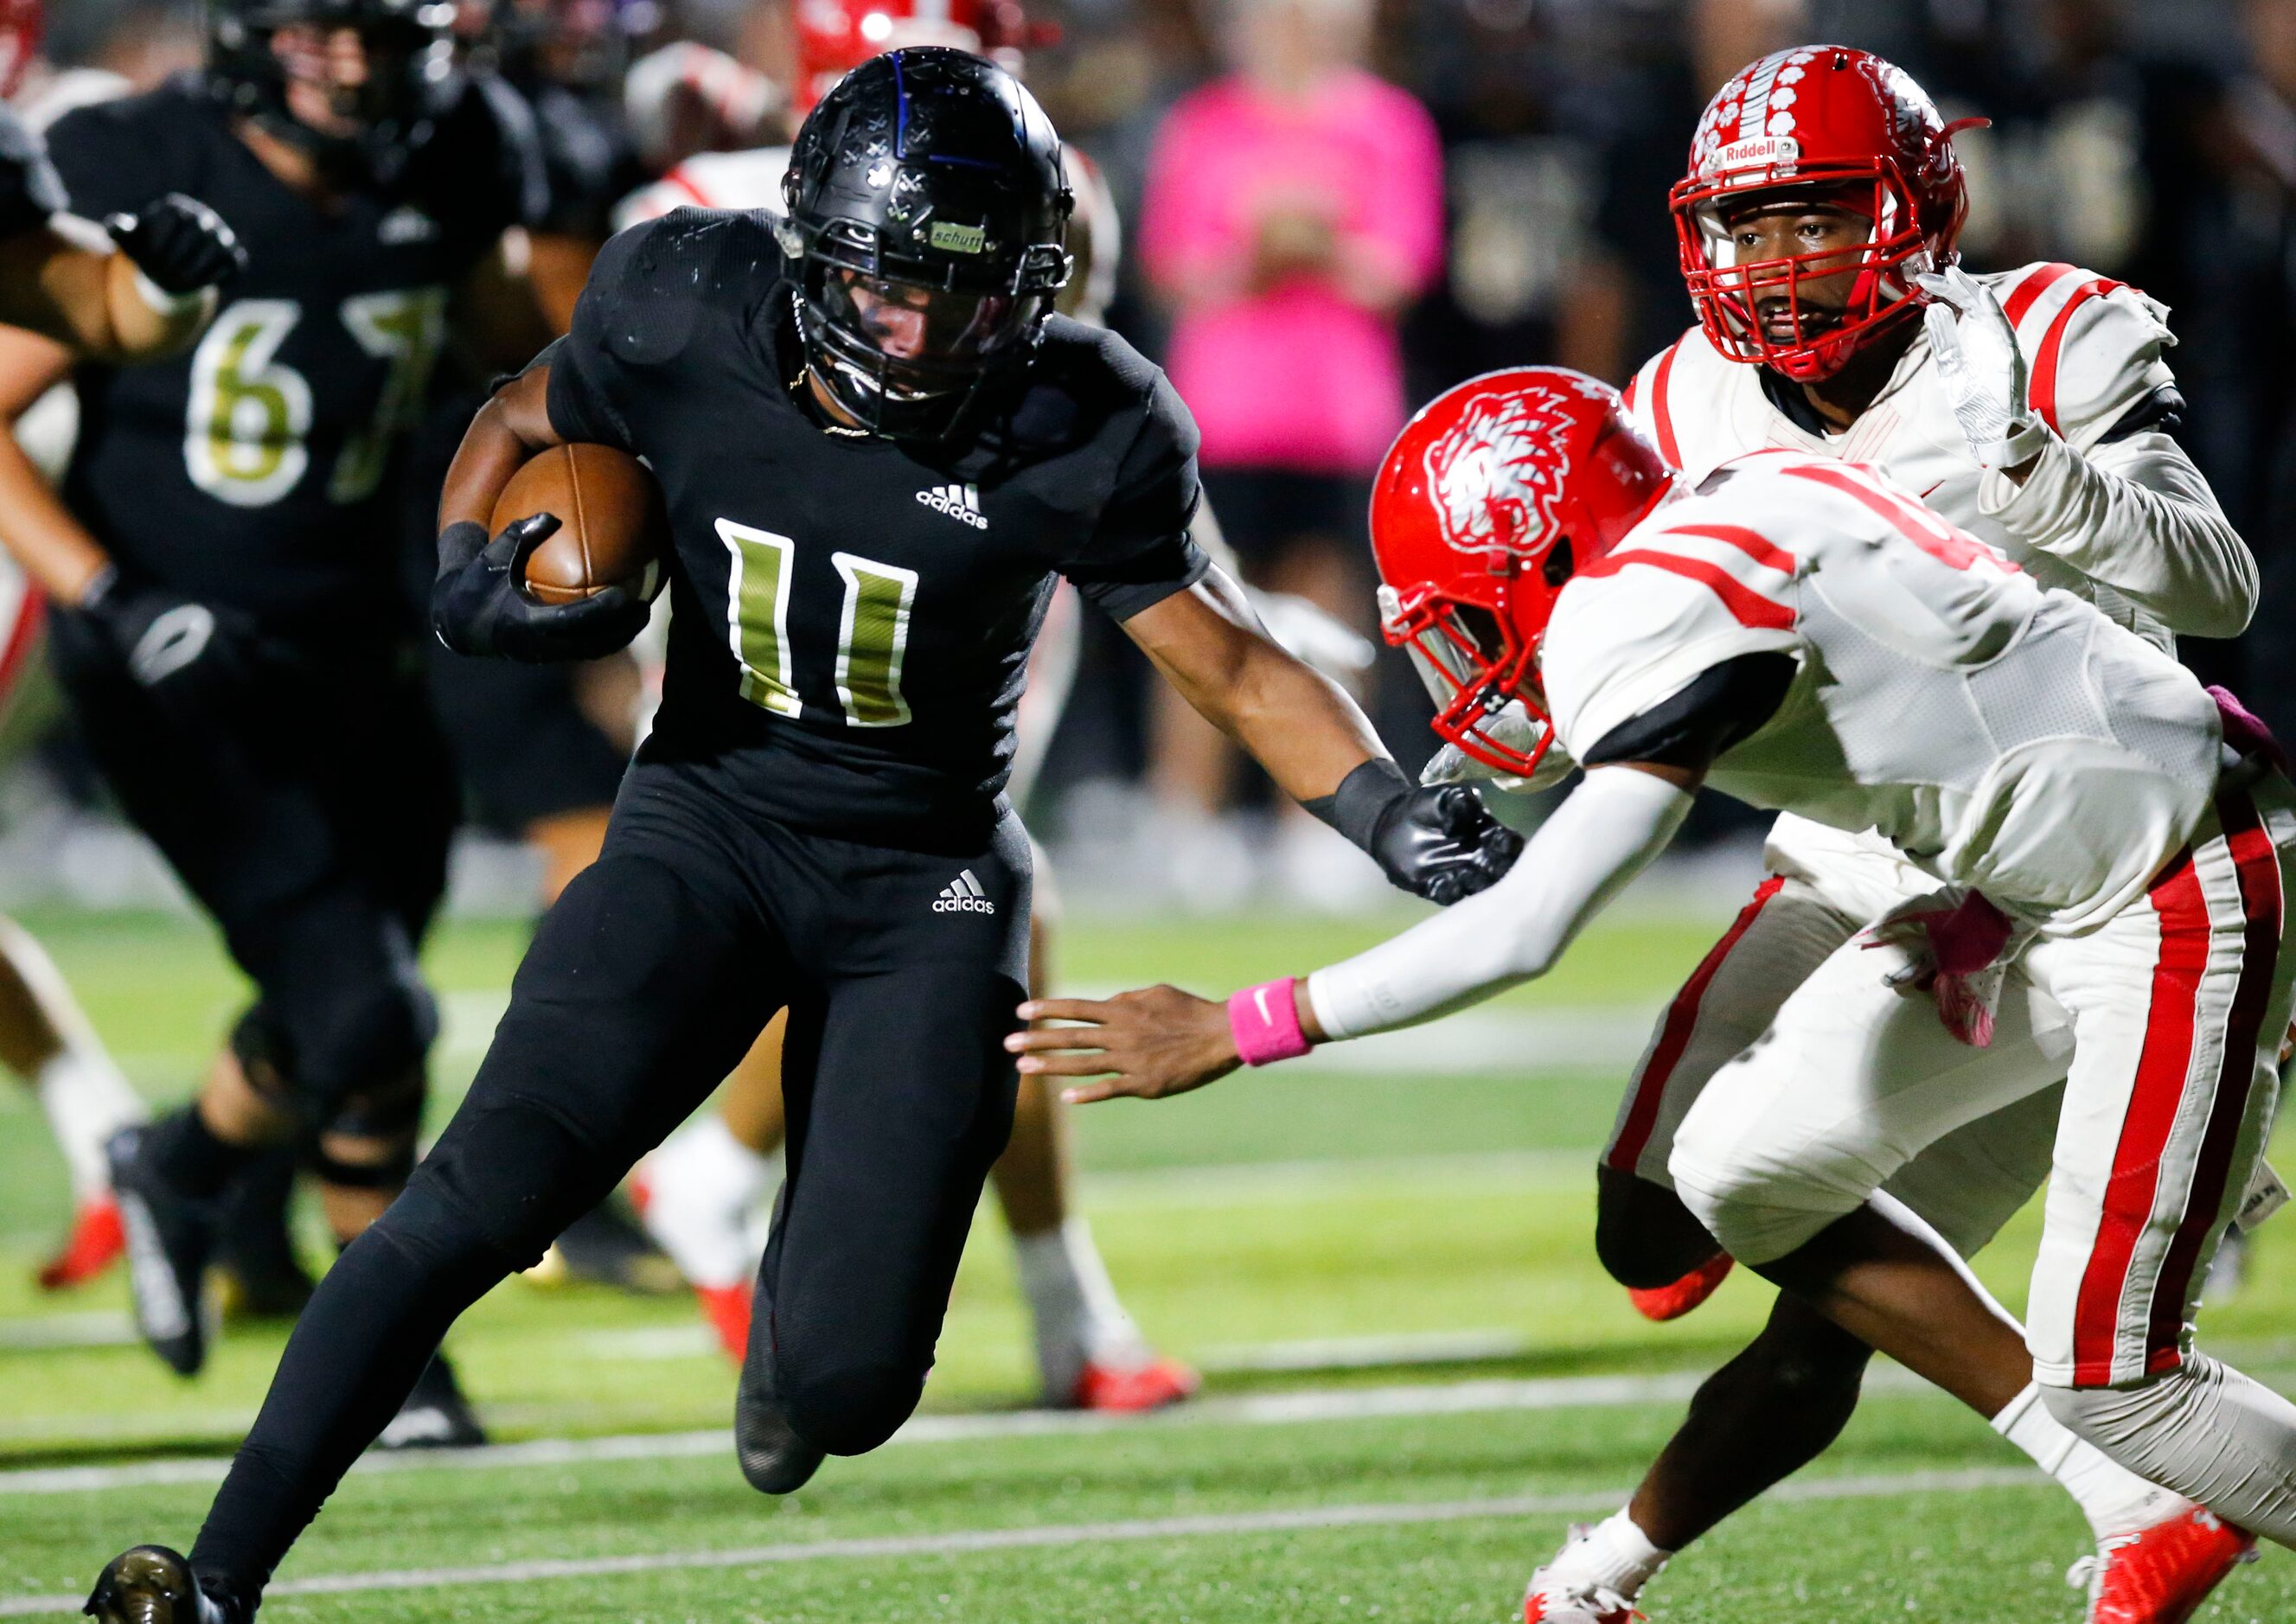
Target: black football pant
x,y
645,984
309,814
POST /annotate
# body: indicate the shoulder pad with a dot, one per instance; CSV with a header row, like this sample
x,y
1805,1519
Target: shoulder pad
x,y
653,286
2093,346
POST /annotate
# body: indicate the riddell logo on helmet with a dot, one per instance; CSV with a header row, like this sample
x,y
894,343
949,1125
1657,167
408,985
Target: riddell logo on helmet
x,y
1763,151
1497,476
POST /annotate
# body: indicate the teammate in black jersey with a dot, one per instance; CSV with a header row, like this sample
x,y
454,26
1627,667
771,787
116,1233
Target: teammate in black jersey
x,y
874,469
236,647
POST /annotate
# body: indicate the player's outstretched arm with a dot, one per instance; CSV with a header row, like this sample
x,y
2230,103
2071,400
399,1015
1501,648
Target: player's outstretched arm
x,y
1162,1041
479,603
1438,843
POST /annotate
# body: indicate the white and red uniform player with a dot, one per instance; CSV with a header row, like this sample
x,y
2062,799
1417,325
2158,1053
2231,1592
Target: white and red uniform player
x,y
43,1036
2108,508
2106,852
2113,510
701,1189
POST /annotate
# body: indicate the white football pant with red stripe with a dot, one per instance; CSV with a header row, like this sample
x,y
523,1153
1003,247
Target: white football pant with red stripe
x,y
2172,1011
1968,1183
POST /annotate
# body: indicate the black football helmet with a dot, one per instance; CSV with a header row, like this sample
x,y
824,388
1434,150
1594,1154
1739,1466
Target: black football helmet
x,y
927,212
412,82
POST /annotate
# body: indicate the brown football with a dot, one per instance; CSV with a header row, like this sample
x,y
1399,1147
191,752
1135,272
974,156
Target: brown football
x,y
612,527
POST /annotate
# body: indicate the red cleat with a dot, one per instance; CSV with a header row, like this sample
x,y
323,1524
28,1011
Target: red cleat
x,y
1133,1388
96,1243
727,1308
1665,1302
2161,1574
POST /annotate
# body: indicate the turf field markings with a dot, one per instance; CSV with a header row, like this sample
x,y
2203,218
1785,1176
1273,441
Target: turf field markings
x,y
1300,1407
972,1542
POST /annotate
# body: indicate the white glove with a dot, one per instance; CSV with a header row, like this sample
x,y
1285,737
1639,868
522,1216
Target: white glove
x,y
1515,728
1982,369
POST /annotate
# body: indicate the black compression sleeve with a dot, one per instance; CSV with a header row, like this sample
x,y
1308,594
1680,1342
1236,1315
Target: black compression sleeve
x,y
1723,705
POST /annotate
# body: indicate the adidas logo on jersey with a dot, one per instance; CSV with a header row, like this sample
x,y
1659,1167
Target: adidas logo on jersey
x,y
407,224
961,502
964,895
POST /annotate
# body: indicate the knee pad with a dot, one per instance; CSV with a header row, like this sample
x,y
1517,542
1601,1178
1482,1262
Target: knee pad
x,y
329,1042
1757,1215
849,1407
518,1171
1644,1234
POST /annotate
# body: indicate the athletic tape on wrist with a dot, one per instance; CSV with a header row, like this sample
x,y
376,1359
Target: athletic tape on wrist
x,y
1265,1021
167,304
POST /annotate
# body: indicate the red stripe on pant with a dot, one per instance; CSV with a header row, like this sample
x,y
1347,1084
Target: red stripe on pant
x,y
2163,1065
1674,1035
2257,864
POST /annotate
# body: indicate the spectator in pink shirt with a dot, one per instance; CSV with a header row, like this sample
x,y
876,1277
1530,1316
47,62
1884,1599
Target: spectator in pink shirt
x,y
1294,208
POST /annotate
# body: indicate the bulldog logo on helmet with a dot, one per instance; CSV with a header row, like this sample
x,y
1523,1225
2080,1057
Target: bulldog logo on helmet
x,y
1498,475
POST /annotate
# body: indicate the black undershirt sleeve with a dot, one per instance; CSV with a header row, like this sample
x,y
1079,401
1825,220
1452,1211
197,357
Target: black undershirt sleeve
x,y
1725,704
2163,409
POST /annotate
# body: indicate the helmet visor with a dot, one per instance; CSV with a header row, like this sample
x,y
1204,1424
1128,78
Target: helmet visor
x,y
921,330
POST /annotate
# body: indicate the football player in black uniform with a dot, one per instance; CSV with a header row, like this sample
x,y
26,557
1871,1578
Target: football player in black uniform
x,y
877,454
231,633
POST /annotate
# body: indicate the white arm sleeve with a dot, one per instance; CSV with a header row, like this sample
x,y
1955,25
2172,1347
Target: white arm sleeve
x,y
2136,515
1601,837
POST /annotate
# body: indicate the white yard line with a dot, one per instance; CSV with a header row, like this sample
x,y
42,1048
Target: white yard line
x,y
1340,1404
975,1541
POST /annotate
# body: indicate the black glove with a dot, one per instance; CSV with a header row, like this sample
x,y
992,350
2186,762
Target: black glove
x,y
183,652
479,605
179,243
1436,841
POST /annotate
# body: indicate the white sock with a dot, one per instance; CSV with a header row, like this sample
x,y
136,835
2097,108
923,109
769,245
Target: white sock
x,y
703,1185
2114,1499
87,1101
1614,1555
1074,1304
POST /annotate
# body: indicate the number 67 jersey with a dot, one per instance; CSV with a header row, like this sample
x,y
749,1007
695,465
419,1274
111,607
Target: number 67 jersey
x,y
259,471
852,615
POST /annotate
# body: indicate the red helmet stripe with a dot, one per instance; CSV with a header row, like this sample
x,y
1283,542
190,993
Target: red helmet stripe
x,y
1750,607
1662,410
2043,392
1753,544
2025,293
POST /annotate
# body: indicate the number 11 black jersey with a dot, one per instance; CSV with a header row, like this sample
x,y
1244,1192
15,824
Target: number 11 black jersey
x,y
255,471
853,615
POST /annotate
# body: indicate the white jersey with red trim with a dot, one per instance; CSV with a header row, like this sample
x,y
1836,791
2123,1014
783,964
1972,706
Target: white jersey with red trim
x,y
2120,518
2003,735
2093,351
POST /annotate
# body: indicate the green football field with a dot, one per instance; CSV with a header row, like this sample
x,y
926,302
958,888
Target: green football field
x,y
1416,1374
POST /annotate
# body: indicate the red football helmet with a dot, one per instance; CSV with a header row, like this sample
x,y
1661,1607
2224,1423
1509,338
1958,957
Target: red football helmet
x,y
835,36
19,43
1489,501
1833,118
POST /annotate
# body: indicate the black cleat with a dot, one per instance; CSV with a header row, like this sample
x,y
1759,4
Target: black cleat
x,y
435,1415
154,1584
257,1274
773,1458
170,1237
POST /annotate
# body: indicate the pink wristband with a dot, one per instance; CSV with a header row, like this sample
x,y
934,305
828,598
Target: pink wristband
x,y
1265,1021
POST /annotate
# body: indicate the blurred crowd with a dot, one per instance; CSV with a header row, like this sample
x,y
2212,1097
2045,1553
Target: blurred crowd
x,y
1336,207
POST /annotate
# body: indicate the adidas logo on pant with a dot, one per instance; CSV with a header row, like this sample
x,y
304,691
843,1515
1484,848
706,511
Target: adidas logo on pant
x,y
959,502
962,895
